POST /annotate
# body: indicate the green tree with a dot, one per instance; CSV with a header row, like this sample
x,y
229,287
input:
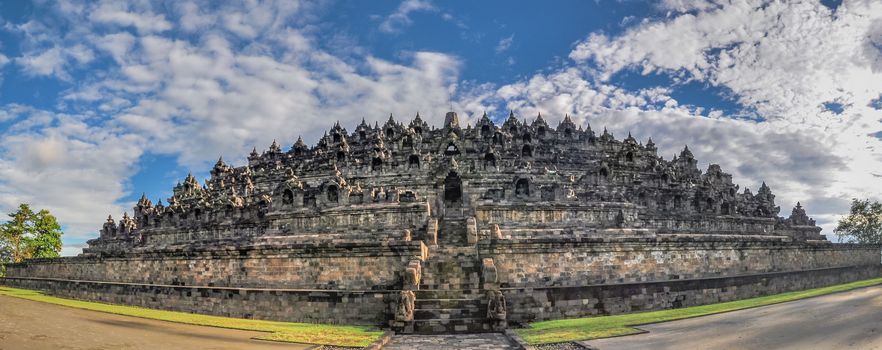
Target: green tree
x,y
29,235
863,224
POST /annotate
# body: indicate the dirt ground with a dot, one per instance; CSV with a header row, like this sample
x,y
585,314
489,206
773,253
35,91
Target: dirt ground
x,y
26,324
850,320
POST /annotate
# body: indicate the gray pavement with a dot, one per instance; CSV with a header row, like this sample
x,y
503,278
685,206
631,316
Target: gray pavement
x,y
850,320
481,341
26,324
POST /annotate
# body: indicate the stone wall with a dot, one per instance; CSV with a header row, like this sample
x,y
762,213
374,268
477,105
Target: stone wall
x,y
332,266
541,278
551,279
538,304
577,262
293,305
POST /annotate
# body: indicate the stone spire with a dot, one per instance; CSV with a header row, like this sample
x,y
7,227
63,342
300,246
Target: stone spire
x,y
511,123
144,202
274,148
686,153
451,120
566,123
299,142
485,119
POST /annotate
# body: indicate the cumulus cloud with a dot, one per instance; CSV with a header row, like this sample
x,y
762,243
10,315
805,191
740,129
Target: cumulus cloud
x,y
783,61
193,94
58,161
195,80
400,19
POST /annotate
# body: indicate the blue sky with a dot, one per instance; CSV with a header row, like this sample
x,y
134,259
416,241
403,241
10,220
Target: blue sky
x,y
101,101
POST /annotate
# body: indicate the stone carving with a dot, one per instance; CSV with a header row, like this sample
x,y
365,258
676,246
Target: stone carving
x,y
472,230
404,308
412,274
407,236
496,309
497,232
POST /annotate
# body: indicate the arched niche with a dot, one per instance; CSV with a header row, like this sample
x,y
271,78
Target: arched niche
x,y
333,193
376,163
527,151
287,197
485,130
522,187
451,149
452,188
490,160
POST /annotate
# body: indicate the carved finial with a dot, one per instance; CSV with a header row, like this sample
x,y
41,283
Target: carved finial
x,y
511,113
686,153
391,120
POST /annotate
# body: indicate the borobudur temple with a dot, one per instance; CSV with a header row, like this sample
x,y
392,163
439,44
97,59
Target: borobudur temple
x,y
453,229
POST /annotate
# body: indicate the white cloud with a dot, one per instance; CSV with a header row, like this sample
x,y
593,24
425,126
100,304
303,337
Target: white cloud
x,y
118,13
50,62
244,73
504,44
781,60
61,163
194,97
3,60
400,19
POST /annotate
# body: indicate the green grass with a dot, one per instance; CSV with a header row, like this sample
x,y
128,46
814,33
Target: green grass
x,y
357,336
610,326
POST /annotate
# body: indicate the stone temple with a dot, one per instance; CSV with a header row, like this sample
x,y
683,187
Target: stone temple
x,y
431,229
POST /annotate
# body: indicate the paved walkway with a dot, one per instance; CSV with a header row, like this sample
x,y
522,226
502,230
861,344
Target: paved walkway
x,y
850,320
33,325
481,341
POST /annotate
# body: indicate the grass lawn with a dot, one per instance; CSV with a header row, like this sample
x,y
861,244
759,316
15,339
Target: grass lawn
x,y
609,326
279,331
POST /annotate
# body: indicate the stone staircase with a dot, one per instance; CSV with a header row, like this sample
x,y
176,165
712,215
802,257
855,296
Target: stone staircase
x,y
450,297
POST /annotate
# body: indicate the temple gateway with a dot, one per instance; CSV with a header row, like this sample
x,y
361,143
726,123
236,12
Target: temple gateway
x,y
427,229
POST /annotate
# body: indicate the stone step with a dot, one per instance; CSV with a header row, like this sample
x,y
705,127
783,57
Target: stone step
x,y
453,325
436,313
449,294
449,276
450,286
450,303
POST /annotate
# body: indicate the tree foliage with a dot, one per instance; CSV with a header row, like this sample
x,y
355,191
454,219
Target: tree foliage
x,y
28,234
863,224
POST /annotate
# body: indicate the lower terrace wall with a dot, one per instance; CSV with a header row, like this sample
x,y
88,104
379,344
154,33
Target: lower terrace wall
x,y
369,307
560,278
539,304
346,266
541,279
565,261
